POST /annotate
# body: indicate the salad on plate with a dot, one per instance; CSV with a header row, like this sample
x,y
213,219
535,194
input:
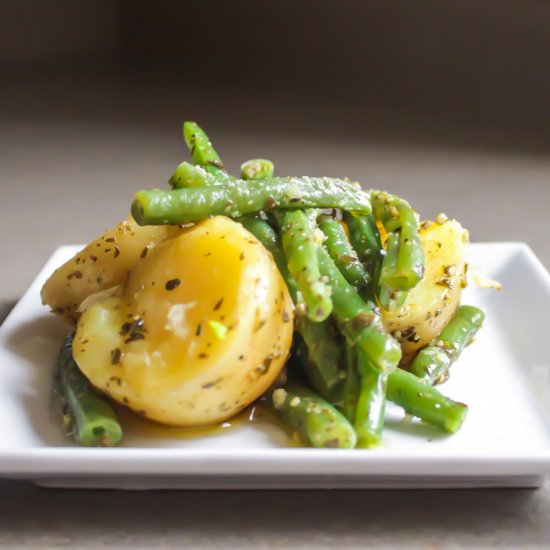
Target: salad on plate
x,y
318,298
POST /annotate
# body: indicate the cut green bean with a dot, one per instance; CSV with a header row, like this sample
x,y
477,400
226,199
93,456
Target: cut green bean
x,y
316,420
173,207
257,169
419,398
300,247
341,251
187,175
388,296
433,362
371,403
202,152
397,216
92,418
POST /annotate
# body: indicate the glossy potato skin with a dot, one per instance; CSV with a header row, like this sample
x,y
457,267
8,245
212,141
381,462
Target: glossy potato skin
x,y
103,264
432,303
174,367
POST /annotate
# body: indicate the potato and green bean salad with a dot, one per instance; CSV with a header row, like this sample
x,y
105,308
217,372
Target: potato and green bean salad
x,y
317,297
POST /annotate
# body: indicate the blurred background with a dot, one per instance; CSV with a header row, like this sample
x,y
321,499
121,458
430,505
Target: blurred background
x,y
445,103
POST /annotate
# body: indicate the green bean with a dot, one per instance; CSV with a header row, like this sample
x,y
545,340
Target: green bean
x,y
92,417
386,209
316,421
433,362
341,251
388,297
269,238
201,149
351,383
307,367
187,175
365,240
359,322
421,399
324,378
397,216
371,403
324,350
157,207
300,248
257,169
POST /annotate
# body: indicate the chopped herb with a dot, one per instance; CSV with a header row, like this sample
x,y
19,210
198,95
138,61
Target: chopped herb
x,y
220,330
270,203
264,367
135,330
211,384
172,284
116,355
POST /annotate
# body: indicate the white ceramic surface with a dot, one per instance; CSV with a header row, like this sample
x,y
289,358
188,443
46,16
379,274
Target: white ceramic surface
x,y
504,378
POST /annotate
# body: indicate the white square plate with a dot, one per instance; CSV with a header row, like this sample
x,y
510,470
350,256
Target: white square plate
x,y
504,378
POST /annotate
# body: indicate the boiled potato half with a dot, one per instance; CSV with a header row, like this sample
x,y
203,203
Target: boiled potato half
x,y
432,303
101,265
202,328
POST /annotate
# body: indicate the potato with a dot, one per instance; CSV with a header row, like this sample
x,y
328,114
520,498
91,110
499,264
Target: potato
x,y
103,264
432,303
202,329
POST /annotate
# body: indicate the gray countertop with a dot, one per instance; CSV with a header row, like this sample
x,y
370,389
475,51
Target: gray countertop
x,y
277,519
70,159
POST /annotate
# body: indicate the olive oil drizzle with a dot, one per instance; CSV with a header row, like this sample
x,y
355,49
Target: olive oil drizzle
x,y
256,414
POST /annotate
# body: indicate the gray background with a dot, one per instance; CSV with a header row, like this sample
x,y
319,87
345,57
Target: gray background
x,y
444,103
